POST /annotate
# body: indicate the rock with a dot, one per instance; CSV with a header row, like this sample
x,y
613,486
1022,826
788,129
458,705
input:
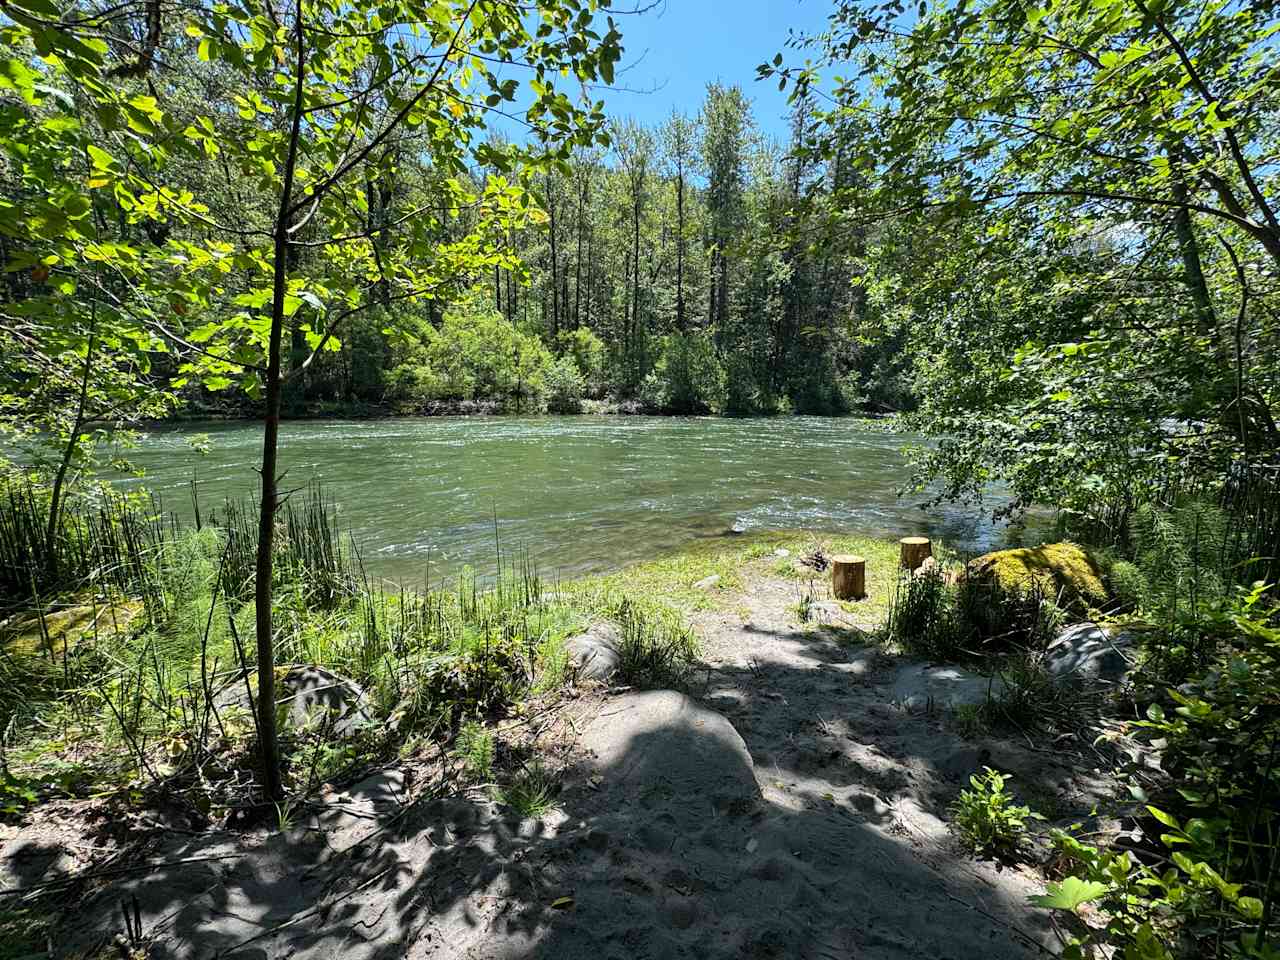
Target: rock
x,y
315,690
307,693
664,748
595,654
1087,653
782,552
924,687
928,568
1065,572
708,582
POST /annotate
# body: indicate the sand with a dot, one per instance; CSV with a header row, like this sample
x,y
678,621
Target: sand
x,y
790,805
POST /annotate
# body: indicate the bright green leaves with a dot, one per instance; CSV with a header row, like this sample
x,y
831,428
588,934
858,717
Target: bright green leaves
x,y
1070,893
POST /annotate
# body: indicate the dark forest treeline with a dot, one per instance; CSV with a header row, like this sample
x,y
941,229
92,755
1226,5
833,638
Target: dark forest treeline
x,y
669,271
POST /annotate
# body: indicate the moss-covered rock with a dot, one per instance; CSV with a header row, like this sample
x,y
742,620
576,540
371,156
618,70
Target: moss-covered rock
x,y
1065,572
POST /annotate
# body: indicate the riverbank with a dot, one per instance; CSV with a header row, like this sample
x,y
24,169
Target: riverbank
x,y
779,768
360,410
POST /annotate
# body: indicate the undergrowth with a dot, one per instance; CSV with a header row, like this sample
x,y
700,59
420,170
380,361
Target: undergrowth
x,y
158,692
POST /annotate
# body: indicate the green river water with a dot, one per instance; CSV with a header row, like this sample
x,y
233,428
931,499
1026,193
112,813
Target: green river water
x,y
579,494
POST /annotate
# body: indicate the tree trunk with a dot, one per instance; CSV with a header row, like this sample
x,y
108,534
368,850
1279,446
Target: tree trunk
x,y
1193,268
680,321
73,441
635,266
268,745
555,265
849,577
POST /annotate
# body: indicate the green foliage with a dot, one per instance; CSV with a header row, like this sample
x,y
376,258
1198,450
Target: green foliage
x,y
657,648
532,792
475,354
15,795
962,617
1067,225
565,386
1149,911
1179,552
138,682
687,378
589,355
474,746
1127,584
988,820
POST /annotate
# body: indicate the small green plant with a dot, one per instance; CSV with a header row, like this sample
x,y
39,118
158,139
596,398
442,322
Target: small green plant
x,y
987,819
532,792
474,746
285,815
15,796
970,720
1149,912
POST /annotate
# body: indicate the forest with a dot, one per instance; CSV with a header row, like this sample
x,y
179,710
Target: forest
x,y
1034,243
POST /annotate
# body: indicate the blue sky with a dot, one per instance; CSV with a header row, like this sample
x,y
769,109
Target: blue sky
x,y
680,47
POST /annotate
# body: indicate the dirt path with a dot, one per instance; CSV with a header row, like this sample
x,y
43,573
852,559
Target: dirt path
x,y
787,807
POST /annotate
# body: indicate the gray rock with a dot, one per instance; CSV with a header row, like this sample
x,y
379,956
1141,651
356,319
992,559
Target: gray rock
x,y
595,654
310,694
708,582
782,552
665,749
1087,653
923,687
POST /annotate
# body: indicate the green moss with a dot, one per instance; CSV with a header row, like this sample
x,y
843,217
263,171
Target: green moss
x,y
1065,572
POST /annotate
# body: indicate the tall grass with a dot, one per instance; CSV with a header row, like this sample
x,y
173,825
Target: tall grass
x,y
167,697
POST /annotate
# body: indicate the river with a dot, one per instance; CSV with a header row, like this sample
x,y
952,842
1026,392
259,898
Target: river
x,y
580,494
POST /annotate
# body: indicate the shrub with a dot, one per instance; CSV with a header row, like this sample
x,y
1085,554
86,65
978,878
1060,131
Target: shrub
x,y
1128,584
1180,552
987,819
937,620
687,378
743,395
590,356
476,354
564,386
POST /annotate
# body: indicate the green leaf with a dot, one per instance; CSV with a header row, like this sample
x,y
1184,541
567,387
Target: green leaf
x,y
1069,894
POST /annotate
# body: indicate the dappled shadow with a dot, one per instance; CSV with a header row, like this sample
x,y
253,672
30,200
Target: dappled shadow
x,y
671,840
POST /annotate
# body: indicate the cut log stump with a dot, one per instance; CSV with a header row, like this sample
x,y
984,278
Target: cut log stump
x,y
915,550
848,577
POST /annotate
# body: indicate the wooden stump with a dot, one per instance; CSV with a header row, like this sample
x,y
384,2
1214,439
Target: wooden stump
x,y
848,577
915,550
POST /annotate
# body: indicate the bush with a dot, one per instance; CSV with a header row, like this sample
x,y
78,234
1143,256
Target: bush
x,y
564,386
988,821
590,356
743,396
1128,584
938,620
476,354
687,378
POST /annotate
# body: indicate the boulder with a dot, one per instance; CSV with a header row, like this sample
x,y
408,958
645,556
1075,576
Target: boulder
x,y
920,686
308,692
1065,572
663,751
1087,653
315,690
708,583
596,654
